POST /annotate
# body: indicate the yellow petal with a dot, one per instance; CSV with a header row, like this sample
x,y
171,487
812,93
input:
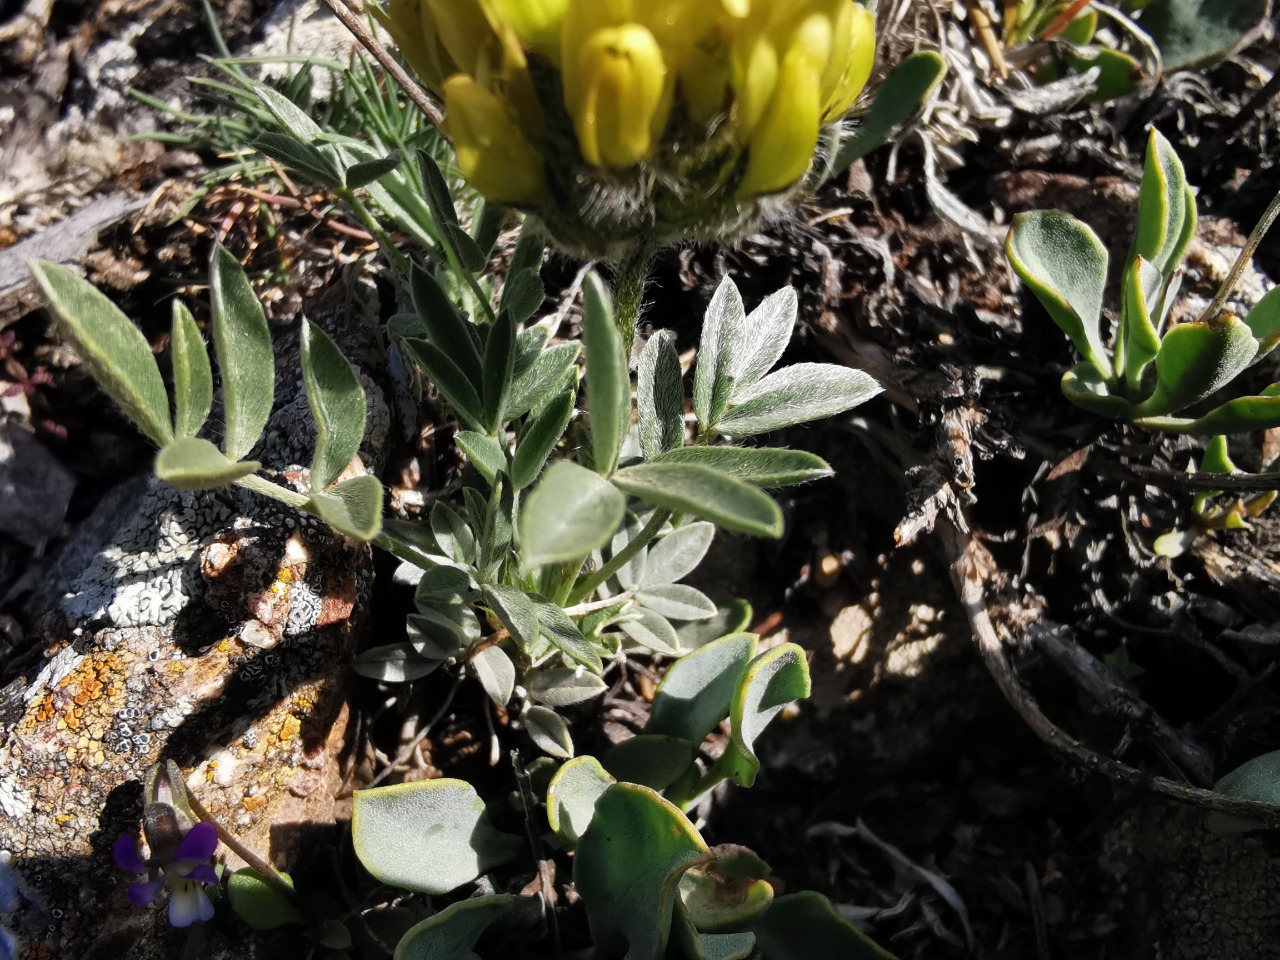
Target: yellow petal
x,y
535,22
492,152
617,95
783,142
858,57
413,30
465,33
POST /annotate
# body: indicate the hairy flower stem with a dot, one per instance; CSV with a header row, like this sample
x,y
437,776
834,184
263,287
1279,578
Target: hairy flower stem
x,y
632,269
623,556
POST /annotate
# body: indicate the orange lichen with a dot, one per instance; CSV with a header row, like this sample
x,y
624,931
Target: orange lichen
x,y
290,728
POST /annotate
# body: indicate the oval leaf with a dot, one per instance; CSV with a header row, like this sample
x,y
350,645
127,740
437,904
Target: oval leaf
x,y
337,405
677,554
496,673
245,359
113,350
258,903
760,466
608,382
562,686
1195,361
572,796
394,663
695,695
452,933
195,464
353,507
796,394
549,732
431,836
571,512
705,493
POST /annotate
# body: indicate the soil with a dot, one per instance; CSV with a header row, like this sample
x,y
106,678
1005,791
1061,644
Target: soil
x,y
908,789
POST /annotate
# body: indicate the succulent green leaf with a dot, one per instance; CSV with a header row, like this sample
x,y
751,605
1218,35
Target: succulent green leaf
x,y
394,663
545,376
112,349
827,935
898,97
772,680
608,382
1256,779
1242,415
722,333
484,452
496,673
447,328
195,464
559,628
1142,285
539,437
1084,386
499,357
337,405
651,759
367,171
562,686
258,903
1195,361
759,466
732,617
1264,321
549,732
1064,264
677,601
796,394
704,493
677,554
709,946
571,512
659,397
516,611
353,507
572,796
697,692
245,359
1162,207
653,631
1189,32
192,374
628,867
452,933
450,380
432,836
726,893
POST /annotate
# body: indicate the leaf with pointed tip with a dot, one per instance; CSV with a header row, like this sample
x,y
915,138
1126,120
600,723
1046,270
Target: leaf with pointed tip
x,y
245,360
1195,361
1166,221
628,867
722,332
455,336
192,374
539,437
452,933
796,394
1242,415
571,512
450,381
367,171
767,332
546,375
653,631
523,292
549,732
659,397
704,493
288,114
1064,264
677,554
516,611
697,691
496,673
453,534
677,601
437,190
760,466
337,405
562,686
558,627
195,464
572,795
432,836
299,157
353,507
499,356
483,452
772,680
897,98
608,382
113,350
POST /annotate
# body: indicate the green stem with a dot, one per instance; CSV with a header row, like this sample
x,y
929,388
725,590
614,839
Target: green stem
x,y
264,486
639,542
689,788
371,224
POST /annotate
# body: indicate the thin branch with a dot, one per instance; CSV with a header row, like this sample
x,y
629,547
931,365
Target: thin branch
x,y
971,566
1226,482
426,106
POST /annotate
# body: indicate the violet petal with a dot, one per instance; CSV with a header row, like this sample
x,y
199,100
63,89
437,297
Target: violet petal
x,y
141,894
199,843
204,874
128,857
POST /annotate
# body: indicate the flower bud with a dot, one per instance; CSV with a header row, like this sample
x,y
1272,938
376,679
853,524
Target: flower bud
x,y
492,152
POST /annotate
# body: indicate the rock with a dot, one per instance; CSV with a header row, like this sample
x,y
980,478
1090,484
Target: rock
x,y
35,487
214,629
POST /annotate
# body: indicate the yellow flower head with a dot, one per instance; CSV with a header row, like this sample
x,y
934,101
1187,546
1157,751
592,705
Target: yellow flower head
x,y
622,121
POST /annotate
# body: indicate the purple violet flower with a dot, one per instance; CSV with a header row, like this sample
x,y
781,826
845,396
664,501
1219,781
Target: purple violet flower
x,y
185,870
